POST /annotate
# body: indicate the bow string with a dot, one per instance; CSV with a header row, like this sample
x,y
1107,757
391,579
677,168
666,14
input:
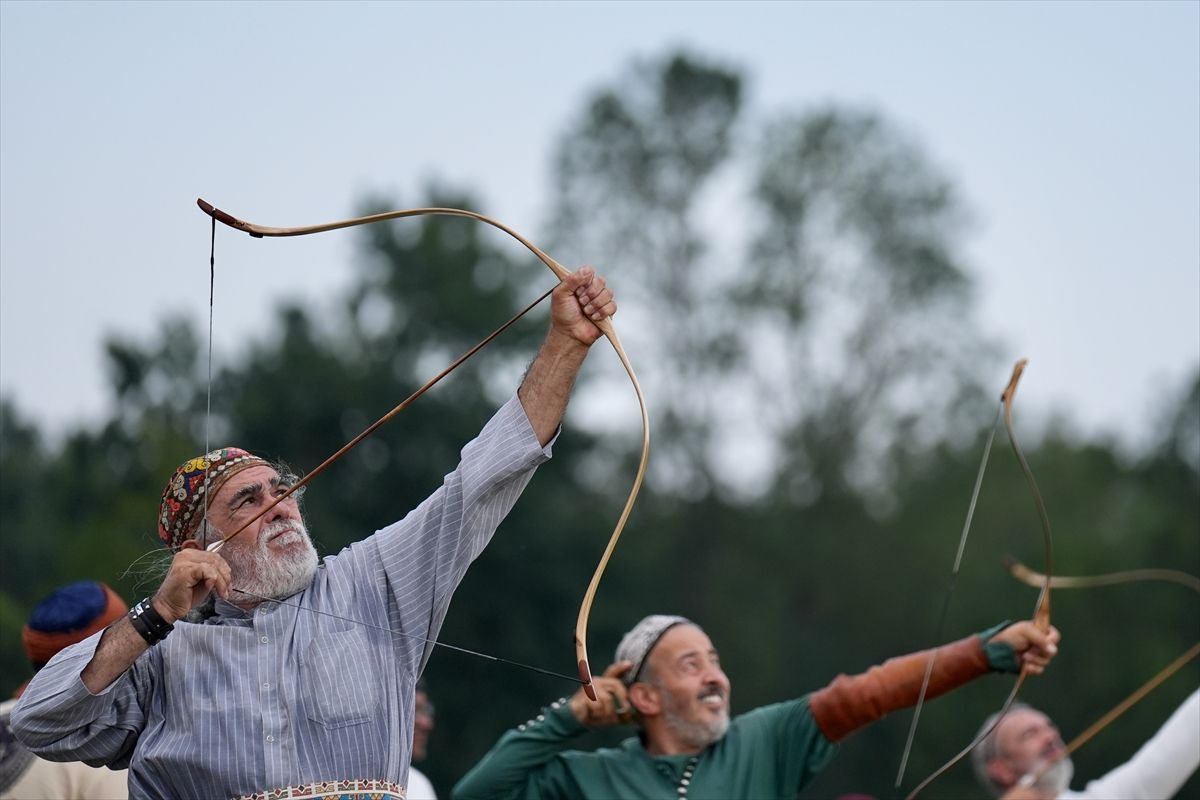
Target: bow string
x,y
1041,611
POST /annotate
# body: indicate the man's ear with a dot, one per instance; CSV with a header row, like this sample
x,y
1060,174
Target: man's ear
x,y
1001,773
645,698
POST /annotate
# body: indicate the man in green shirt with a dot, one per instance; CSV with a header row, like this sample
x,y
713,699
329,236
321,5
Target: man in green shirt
x,y
668,679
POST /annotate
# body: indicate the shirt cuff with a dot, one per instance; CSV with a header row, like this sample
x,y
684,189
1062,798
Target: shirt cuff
x,y
1000,655
514,409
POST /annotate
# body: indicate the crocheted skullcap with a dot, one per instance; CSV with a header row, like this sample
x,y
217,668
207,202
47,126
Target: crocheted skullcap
x,y
636,645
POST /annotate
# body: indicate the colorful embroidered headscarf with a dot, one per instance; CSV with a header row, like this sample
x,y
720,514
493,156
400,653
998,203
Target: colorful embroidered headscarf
x,y
68,615
183,499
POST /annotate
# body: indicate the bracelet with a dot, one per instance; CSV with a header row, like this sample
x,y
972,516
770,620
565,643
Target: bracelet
x,y
149,623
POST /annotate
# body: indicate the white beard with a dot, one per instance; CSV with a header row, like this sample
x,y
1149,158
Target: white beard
x,y
1054,782
263,574
1058,778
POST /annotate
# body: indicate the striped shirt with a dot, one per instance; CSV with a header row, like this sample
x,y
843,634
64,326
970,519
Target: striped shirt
x,y
279,696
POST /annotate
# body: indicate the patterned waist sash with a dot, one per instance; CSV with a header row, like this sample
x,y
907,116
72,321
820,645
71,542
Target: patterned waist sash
x,y
333,790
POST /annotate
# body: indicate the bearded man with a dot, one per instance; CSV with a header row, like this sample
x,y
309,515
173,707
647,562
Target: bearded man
x,y
300,681
1024,758
668,679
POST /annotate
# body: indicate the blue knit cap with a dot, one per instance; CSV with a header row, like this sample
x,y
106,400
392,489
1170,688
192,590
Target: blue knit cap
x,y
67,615
69,608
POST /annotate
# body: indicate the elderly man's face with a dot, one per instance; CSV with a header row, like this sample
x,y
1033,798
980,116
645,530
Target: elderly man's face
x,y
274,556
685,668
1025,741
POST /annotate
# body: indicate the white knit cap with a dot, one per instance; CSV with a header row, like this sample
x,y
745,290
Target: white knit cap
x,y
636,645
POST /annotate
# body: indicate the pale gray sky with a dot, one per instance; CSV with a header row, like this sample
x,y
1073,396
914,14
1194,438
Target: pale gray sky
x,y
1071,129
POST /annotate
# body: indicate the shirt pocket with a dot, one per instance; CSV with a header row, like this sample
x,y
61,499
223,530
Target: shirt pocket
x,y
340,680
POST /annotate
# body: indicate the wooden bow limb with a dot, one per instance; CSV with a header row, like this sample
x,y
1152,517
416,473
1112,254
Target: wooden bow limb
x,y
1031,578
1041,611
605,326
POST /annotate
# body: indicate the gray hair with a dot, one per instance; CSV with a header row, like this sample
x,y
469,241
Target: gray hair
x,y
988,750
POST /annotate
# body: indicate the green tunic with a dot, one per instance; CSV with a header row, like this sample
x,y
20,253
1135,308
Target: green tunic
x,y
771,751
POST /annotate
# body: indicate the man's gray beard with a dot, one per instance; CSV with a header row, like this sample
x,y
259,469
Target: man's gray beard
x,y
693,733
1057,778
260,574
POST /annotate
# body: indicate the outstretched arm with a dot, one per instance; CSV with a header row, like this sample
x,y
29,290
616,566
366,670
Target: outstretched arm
x,y
1162,765
851,702
580,301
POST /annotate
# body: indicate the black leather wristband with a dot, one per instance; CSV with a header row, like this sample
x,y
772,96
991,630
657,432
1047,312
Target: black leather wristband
x,y
149,623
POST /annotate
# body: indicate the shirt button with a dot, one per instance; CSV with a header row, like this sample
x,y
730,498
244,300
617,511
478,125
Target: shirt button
x,y
266,686
270,738
263,640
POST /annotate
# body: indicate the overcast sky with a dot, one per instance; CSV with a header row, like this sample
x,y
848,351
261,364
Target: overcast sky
x,y
1072,130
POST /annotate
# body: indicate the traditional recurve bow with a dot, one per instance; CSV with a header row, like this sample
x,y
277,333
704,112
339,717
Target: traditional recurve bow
x,y
1031,578
1041,611
605,326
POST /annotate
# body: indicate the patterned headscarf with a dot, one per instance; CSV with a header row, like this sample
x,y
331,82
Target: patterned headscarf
x,y
183,499
636,645
68,615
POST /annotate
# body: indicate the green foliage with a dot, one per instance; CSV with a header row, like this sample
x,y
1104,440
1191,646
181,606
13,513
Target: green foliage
x,y
839,343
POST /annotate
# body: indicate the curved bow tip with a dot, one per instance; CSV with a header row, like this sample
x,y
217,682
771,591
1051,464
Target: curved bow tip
x,y
1023,573
224,217
585,677
216,213
1011,389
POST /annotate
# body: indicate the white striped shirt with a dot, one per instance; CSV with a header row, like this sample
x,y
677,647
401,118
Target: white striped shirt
x,y
279,696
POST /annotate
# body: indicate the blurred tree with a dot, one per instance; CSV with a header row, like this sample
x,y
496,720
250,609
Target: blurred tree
x,y
1179,439
842,333
862,340
631,178
23,458
840,344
